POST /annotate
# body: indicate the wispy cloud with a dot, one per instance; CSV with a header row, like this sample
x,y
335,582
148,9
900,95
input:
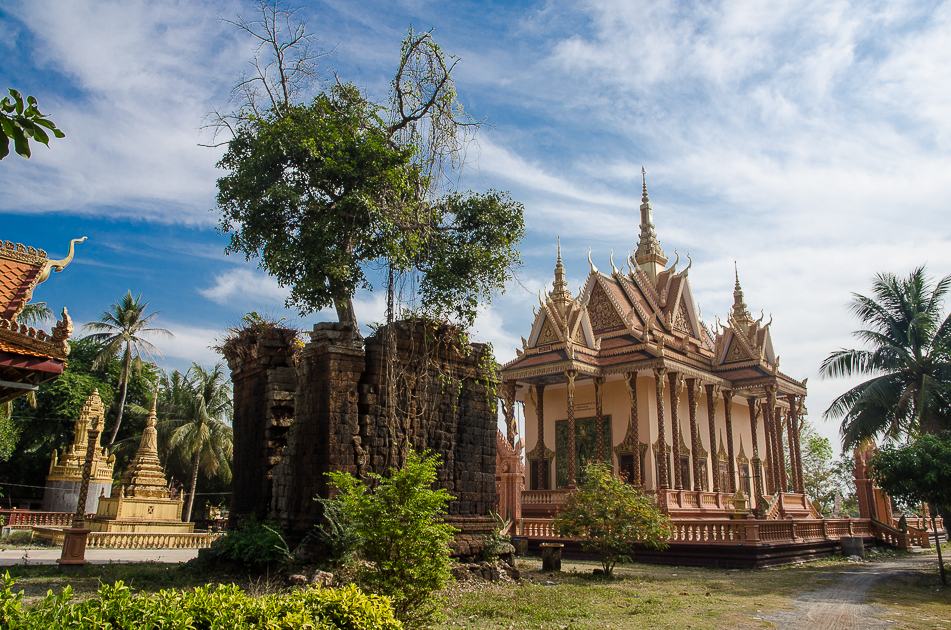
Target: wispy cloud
x,y
245,286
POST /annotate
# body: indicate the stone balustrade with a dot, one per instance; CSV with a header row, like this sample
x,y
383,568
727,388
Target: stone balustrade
x,y
25,519
132,540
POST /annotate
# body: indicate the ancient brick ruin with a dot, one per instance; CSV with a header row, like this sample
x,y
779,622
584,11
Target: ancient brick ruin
x,y
336,404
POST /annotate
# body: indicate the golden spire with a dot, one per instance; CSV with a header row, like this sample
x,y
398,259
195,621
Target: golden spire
x,y
649,255
560,294
145,477
740,313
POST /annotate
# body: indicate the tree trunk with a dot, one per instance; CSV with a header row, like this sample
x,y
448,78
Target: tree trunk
x,y
194,483
937,544
345,312
115,429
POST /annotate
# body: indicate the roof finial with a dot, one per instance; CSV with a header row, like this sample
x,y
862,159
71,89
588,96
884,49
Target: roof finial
x,y
649,255
560,293
736,270
740,313
644,198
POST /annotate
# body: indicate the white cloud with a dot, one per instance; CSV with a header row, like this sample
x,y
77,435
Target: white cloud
x,y
243,286
190,343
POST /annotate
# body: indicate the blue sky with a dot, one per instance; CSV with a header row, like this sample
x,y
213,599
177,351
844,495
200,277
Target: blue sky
x,y
806,141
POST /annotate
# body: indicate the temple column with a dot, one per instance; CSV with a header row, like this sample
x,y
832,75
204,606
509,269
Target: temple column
x,y
659,374
795,402
755,461
693,399
713,391
771,476
598,413
676,387
572,453
630,380
540,414
728,412
782,479
790,434
508,408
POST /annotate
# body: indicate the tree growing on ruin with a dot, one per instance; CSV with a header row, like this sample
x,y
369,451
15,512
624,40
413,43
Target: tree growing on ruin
x,y
610,516
320,192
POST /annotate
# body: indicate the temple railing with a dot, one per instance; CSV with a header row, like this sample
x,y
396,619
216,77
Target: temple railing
x,y
25,519
741,531
132,540
544,497
902,539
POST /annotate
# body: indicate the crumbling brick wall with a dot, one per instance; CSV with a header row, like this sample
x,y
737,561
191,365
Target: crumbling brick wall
x,y
354,411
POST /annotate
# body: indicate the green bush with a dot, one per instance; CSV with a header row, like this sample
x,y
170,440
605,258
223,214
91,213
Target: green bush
x,y
253,544
223,607
404,541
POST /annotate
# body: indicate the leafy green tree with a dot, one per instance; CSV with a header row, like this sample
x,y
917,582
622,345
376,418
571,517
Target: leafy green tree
x,y
23,123
123,329
610,515
907,360
915,472
200,411
405,542
318,192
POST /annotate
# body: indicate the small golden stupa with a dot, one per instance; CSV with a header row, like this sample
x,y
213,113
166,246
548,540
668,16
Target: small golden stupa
x,y
66,469
141,503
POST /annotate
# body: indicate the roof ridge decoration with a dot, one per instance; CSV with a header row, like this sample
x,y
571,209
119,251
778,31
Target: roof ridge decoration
x,y
648,254
26,267
52,345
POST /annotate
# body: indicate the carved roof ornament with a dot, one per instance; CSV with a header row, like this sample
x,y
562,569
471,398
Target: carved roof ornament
x,y
649,256
560,294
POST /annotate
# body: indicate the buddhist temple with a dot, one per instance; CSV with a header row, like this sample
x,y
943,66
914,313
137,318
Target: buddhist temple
x,y
66,469
141,502
626,371
28,357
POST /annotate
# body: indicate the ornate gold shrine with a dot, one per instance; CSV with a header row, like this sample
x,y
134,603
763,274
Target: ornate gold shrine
x,y
66,469
141,503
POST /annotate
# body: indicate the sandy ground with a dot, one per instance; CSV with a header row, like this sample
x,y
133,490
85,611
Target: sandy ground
x,y
839,606
9,557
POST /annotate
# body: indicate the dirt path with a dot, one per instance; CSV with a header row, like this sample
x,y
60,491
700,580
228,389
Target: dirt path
x,y
840,606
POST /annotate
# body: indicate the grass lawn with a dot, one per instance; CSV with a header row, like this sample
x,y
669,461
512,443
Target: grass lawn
x,y
639,596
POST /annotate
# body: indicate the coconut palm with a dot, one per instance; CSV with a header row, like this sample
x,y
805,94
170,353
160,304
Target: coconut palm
x,y
123,330
201,429
907,356
35,314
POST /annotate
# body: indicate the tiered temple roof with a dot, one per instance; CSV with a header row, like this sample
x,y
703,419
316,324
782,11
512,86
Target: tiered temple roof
x,y
28,357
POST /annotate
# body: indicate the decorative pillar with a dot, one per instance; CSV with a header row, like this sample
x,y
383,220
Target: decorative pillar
x,y
728,413
540,414
572,453
74,542
676,386
790,431
772,478
795,452
598,391
694,391
630,380
756,462
713,391
659,374
508,408
782,480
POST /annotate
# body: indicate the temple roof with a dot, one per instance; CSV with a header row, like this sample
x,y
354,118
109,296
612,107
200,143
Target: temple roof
x,y
640,318
28,357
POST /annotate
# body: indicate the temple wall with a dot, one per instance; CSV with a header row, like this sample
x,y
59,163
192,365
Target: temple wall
x,y
62,495
615,402
346,416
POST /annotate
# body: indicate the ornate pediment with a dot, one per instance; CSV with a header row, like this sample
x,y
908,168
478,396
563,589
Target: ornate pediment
x,y
602,313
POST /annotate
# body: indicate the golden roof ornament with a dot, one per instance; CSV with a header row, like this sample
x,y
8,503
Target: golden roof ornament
x,y
649,256
740,314
560,294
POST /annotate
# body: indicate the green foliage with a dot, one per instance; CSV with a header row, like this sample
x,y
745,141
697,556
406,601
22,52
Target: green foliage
x,y
220,607
610,515
35,314
320,191
917,471
254,544
908,360
22,124
496,542
405,543
337,534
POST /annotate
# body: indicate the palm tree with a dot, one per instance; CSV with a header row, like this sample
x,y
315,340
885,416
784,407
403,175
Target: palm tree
x,y
35,314
123,329
908,358
202,430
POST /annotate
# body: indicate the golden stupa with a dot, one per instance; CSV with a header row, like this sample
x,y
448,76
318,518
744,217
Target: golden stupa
x,y
141,502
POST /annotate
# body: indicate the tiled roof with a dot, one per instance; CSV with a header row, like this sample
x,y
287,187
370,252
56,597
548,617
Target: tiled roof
x,y
6,346
16,281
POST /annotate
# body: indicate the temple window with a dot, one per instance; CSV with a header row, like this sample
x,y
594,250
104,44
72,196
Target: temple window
x,y
586,446
724,468
745,478
704,476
